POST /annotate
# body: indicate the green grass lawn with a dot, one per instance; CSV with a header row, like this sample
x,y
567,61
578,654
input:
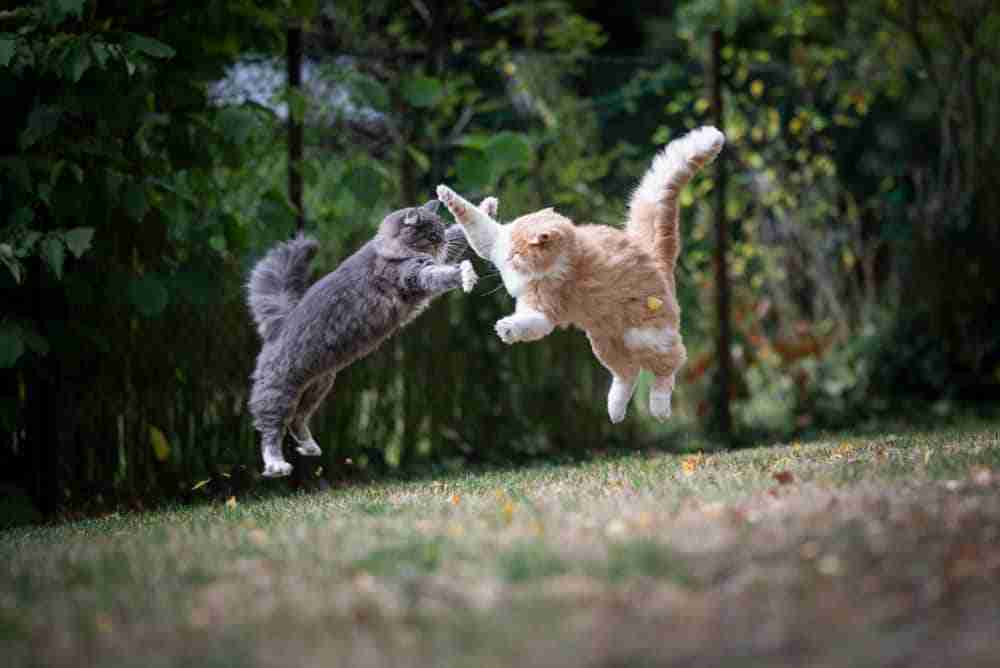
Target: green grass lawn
x,y
848,551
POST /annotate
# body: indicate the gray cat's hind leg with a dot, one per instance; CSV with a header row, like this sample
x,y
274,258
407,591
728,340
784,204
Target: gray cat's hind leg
x,y
312,397
272,406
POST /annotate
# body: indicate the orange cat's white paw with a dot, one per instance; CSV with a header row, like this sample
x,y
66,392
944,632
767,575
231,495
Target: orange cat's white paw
x,y
449,198
469,276
508,330
618,398
659,404
489,206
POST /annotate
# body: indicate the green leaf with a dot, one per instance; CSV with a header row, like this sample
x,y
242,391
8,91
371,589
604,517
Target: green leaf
x,y
419,157
58,10
34,341
54,252
21,217
421,91
149,46
148,295
78,61
100,53
8,46
305,8
11,262
78,240
161,446
42,121
11,346
134,201
476,140
370,92
236,124
509,150
474,170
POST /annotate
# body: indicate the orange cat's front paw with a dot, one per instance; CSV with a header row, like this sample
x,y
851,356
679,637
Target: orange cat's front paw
x,y
508,331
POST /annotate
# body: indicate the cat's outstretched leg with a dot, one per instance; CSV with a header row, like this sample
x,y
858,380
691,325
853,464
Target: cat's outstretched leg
x,y
622,388
434,279
298,429
624,376
272,403
480,228
526,324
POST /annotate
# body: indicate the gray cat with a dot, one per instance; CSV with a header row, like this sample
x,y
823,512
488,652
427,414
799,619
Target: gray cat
x,y
309,335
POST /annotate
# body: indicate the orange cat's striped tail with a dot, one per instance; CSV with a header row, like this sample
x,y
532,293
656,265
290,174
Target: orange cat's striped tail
x,y
654,212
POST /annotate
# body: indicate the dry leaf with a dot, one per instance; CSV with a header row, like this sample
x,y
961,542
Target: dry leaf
x,y
231,502
784,477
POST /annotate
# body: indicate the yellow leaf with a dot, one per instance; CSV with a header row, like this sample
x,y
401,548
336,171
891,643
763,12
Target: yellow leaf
x,y
508,512
231,502
654,303
161,447
455,499
201,484
691,463
757,88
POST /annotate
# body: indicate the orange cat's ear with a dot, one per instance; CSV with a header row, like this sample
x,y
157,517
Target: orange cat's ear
x,y
540,239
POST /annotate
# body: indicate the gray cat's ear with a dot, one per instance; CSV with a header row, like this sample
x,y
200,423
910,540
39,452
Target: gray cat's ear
x,y
411,217
433,206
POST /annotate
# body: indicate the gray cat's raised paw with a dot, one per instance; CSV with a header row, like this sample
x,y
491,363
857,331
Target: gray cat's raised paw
x,y
469,276
277,469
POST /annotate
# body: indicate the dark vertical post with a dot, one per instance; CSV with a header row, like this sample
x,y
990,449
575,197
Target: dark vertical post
x,y
724,378
295,124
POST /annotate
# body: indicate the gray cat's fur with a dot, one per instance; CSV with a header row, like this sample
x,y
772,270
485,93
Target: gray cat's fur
x,y
309,335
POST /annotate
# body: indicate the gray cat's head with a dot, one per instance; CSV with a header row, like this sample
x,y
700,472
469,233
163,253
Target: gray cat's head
x,y
417,229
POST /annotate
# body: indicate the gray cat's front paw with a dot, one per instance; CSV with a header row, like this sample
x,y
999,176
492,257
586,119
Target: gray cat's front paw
x,y
469,276
277,469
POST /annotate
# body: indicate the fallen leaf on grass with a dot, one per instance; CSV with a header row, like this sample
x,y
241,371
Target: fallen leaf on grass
x,y
231,502
691,463
784,477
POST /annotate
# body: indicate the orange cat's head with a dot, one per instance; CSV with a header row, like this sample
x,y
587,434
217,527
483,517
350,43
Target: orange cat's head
x,y
541,244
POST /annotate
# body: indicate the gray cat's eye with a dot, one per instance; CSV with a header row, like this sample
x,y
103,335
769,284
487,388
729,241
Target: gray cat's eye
x,y
411,218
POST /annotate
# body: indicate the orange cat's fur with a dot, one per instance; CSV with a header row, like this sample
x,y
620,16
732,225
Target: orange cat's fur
x,y
615,284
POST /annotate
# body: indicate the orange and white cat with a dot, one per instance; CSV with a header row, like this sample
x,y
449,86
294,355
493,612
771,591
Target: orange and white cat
x,y
615,284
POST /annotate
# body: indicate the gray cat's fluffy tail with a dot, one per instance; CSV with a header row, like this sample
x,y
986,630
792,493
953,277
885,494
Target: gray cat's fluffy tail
x,y
278,282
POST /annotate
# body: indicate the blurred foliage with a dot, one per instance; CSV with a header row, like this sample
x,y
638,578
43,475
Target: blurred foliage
x,y
145,171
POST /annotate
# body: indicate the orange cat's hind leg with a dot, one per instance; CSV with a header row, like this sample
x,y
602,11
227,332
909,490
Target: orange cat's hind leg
x,y
624,376
663,361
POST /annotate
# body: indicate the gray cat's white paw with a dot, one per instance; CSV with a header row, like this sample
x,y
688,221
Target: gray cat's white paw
x,y
469,276
659,404
277,469
309,449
